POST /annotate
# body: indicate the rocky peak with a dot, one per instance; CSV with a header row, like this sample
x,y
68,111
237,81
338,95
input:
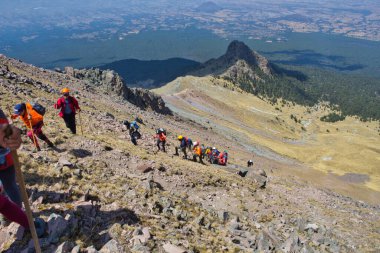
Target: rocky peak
x,y
237,51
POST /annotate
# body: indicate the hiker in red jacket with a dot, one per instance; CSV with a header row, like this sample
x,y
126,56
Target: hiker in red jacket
x,y
9,208
69,106
161,138
7,170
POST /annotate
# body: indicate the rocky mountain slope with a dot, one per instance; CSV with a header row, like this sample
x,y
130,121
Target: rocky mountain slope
x,y
99,192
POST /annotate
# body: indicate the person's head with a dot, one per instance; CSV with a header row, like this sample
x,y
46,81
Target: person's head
x,y
65,92
180,137
196,143
213,148
19,109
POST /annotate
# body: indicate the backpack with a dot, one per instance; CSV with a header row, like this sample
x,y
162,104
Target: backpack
x,y
39,108
127,124
134,125
160,131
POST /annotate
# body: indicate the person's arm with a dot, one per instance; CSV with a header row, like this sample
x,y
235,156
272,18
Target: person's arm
x,y
14,140
58,105
13,212
76,104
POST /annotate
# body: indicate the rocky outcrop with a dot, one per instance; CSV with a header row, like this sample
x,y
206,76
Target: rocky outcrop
x,y
146,99
112,83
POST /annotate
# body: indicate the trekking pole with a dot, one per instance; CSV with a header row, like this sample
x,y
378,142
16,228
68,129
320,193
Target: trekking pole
x,y
31,127
80,122
24,194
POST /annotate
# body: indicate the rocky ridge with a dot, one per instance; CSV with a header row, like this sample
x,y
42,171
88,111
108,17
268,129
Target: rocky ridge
x,y
100,193
112,83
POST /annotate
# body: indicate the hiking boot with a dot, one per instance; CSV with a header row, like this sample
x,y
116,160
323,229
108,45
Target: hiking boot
x,y
50,144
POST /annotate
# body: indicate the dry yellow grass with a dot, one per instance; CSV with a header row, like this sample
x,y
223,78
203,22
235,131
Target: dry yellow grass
x,y
349,146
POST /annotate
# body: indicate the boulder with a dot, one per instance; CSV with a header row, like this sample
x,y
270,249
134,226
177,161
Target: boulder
x,y
170,248
57,226
111,247
144,168
65,247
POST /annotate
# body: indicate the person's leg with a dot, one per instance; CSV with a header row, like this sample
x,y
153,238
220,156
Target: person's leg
x,y
163,146
43,137
8,178
184,152
158,145
72,123
13,212
33,139
66,118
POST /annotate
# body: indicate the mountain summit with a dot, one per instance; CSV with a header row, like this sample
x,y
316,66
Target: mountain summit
x,y
239,62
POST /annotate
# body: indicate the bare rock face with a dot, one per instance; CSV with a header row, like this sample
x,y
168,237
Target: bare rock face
x,y
146,99
112,83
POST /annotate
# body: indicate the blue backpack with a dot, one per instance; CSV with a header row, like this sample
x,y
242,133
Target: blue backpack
x,y
134,125
39,108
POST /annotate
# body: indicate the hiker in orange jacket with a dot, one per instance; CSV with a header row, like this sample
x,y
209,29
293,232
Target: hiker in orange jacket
x,y
197,152
161,138
69,106
33,121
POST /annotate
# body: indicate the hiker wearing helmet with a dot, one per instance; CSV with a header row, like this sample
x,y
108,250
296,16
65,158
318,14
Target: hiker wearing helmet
x,y
185,143
249,163
69,106
214,156
198,152
7,169
161,138
33,120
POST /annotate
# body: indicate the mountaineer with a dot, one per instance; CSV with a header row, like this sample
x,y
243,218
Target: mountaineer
x,y
69,106
133,128
32,116
249,163
161,138
7,169
214,156
222,158
185,143
11,208
198,151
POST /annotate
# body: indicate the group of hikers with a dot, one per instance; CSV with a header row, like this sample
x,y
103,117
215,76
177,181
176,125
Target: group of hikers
x,y
186,145
200,151
32,116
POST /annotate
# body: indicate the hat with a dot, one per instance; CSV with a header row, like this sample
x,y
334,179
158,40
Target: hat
x,y
19,108
65,90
